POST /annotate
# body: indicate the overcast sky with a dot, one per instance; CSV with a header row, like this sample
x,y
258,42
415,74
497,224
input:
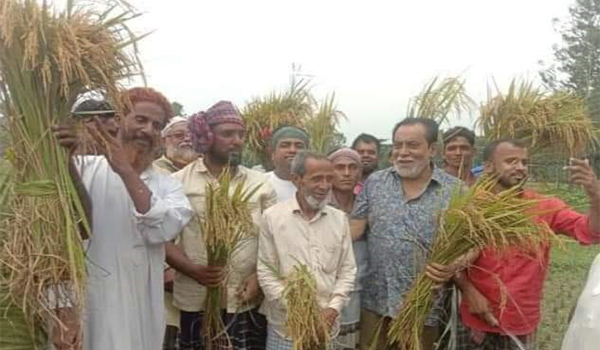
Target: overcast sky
x,y
374,54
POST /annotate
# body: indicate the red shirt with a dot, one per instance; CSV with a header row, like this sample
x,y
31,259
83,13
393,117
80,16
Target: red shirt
x,y
513,283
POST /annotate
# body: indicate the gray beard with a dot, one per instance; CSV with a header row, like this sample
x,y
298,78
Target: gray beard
x,y
411,173
314,204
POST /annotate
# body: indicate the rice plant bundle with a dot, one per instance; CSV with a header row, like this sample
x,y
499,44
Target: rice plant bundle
x,y
265,114
47,59
322,126
226,223
440,98
476,219
558,122
306,326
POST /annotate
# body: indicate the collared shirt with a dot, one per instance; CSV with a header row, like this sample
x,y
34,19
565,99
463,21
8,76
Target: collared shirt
x,y
165,165
125,255
515,293
188,294
401,232
584,330
323,244
285,189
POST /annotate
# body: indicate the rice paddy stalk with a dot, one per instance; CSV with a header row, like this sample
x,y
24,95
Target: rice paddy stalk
x,y
47,59
440,98
227,222
305,325
558,123
476,219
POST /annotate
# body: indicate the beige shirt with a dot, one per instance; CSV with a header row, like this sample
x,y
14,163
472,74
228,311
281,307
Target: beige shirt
x,y
188,294
323,243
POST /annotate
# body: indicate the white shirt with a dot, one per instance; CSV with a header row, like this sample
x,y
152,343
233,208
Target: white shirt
x,y
323,244
284,189
125,255
584,330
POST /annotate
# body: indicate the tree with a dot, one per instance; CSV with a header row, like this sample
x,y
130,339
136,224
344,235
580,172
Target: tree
x,y
577,58
177,108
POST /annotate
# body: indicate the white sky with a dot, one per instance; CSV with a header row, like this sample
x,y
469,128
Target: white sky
x,y
374,54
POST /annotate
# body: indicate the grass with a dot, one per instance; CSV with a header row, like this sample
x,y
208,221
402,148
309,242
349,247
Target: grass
x,y
566,276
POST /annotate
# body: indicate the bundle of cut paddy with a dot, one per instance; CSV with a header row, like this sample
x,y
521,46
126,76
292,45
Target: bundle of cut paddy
x,y
475,219
265,114
47,59
227,222
558,122
440,98
306,326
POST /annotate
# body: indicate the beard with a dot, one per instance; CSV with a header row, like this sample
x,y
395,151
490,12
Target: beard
x,y
182,155
413,171
314,203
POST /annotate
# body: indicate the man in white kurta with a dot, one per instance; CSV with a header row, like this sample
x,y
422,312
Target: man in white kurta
x,y
125,258
135,211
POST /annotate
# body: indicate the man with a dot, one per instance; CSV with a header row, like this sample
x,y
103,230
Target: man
x,y
287,142
135,211
219,135
367,147
498,309
177,141
304,230
459,150
584,330
347,171
93,108
401,206
179,152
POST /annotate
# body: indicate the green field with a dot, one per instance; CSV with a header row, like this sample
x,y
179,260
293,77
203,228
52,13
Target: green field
x,y
566,277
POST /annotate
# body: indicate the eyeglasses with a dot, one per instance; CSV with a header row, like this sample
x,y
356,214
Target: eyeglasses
x,y
180,135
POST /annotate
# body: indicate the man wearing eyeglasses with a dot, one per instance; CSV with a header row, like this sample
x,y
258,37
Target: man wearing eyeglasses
x,y
178,153
178,146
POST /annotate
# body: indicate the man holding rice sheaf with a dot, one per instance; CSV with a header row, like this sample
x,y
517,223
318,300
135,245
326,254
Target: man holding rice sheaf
x,y
400,205
502,293
305,231
219,134
287,142
135,211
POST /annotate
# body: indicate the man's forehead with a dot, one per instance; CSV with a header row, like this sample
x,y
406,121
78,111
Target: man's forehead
x,y
506,149
458,140
344,161
291,140
366,144
414,132
228,127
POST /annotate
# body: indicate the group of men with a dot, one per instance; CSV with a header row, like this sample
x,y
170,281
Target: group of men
x,y
364,233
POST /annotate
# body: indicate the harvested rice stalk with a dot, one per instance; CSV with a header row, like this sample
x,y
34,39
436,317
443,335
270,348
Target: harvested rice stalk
x,y
440,98
476,219
226,223
47,59
304,322
265,114
557,122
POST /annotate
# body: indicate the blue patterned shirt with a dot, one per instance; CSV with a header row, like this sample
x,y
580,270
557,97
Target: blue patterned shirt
x,y
400,235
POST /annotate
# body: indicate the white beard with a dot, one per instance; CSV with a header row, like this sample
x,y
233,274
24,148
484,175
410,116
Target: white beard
x,y
315,204
412,172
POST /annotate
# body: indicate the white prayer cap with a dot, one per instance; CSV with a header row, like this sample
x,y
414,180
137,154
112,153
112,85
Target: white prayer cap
x,y
171,123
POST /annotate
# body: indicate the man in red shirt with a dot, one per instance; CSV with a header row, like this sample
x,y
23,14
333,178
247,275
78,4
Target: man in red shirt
x,y
502,294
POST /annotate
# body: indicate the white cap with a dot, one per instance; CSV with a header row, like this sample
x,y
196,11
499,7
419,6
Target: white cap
x,y
171,123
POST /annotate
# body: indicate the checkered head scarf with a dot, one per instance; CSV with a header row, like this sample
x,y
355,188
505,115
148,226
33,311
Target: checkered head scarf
x,y
201,124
